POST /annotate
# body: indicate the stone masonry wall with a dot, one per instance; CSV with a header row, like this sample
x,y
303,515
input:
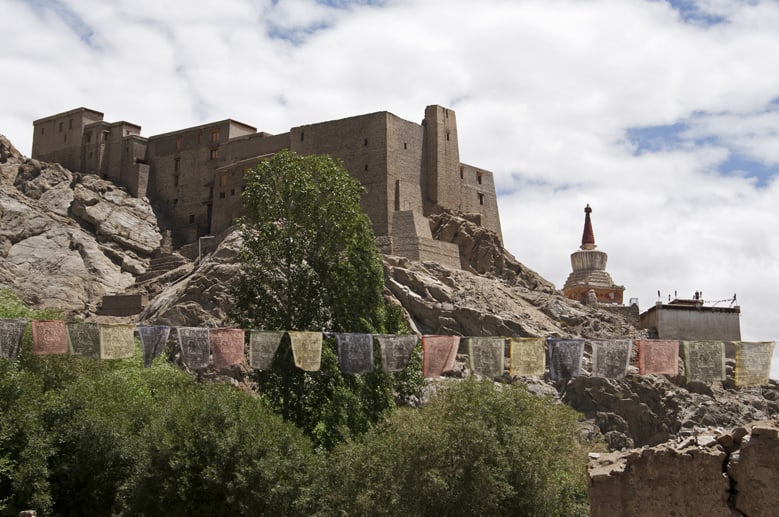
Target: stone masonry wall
x,y
715,473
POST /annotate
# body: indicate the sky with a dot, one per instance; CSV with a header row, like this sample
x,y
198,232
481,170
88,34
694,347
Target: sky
x,y
662,115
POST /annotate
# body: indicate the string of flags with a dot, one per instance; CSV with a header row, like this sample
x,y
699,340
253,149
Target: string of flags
x,y
703,361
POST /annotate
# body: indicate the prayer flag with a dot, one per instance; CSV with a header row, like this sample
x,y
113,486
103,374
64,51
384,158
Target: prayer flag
x,y
527,357
49,337
195,346
753,362
438,354
704,361
153,339
355,353
84,339
11,334
658,357
262,348
396,351
486,355
565,357
226,347
610,358
116,341
307,349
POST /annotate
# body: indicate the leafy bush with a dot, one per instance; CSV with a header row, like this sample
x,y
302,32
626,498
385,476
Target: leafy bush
x,y
474,450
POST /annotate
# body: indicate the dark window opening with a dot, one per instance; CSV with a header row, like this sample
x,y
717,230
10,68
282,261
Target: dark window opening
x,y
89,136
43,130
366,142
461,173
66,137
232,191
447,136
405,145
221,195
302,136
176,164
70,124
481,199
191,219
175,201
478,177
60,127
176,180
366,166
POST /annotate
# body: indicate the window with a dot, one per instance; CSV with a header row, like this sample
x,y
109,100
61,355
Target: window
x,y
176,180
105,136
60,127
221,195
302,136
89,136
366,142
478,177
461,173
447,136
66,137
214,154
481,198
176,164
70,124
191,219
43,130
215,135
366,166
232,191
405,145
223,179
175,201
178,143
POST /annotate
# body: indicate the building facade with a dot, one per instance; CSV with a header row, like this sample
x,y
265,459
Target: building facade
x,y
692,320
194,176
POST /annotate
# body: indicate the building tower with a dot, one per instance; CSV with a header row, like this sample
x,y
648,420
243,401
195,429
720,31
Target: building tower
x,y
589,282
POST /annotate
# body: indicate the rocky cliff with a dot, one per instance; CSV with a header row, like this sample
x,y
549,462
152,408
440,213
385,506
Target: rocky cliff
x,y
67,239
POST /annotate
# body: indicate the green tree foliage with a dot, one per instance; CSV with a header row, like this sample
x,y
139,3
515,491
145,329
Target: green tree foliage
x,y
309,262
476,449
309,257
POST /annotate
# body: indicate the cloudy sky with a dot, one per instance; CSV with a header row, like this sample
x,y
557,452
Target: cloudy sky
x,y
663,115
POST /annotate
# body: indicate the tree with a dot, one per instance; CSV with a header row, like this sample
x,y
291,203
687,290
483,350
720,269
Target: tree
x,y
310,262
309,256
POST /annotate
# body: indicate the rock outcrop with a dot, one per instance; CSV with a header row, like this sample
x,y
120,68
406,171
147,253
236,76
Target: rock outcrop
x,y
714,473
67,239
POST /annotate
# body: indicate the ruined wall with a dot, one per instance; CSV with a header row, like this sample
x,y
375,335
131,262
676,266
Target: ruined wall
x,y
715,473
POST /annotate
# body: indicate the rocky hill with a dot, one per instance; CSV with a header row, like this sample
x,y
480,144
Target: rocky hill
x,y
67,239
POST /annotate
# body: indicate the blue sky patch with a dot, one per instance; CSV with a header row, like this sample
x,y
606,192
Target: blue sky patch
x,y
739,165
663,138
71,18
690,12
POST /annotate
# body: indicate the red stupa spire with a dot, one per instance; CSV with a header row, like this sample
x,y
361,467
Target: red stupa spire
x,y
588,236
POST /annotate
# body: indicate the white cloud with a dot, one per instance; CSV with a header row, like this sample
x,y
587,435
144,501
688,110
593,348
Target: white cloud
x,y
545,92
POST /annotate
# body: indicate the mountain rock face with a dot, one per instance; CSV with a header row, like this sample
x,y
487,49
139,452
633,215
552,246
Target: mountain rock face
x,y
67,239
714,473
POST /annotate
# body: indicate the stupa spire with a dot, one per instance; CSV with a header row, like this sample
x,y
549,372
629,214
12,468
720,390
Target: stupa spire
x,y
588,236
